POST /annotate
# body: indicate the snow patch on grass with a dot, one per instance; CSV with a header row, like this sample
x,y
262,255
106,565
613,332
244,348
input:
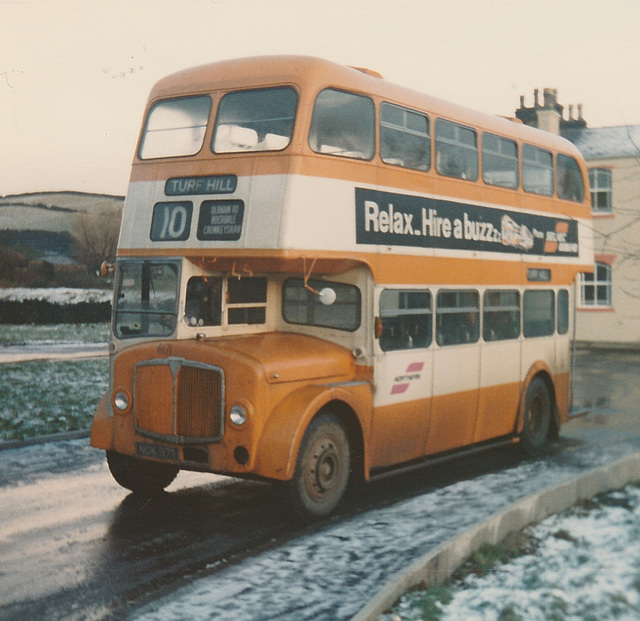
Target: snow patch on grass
x,y
582,564
43,397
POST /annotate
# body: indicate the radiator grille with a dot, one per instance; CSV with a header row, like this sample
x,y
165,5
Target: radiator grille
x,y
179,399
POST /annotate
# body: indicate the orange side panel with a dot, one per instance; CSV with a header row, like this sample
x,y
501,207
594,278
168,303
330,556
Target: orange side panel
x,y
497,411
387,269
453,419
399,432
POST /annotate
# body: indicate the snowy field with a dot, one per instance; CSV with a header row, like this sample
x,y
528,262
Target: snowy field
x,y
57,295
42,397
581,565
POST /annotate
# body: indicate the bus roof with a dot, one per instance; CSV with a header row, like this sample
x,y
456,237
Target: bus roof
x,y
313,74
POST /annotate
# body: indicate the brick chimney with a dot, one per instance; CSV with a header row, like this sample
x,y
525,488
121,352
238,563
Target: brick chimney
x,y
548,115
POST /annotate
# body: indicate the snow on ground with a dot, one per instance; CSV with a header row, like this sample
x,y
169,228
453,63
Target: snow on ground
x,y
332,574
584,564
57,295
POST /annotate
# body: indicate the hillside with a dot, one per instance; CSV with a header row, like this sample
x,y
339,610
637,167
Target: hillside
x,y
53,211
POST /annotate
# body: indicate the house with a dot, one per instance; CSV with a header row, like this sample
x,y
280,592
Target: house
x,y
608,301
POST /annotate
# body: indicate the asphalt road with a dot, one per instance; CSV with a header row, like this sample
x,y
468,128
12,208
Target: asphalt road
x,y
73,545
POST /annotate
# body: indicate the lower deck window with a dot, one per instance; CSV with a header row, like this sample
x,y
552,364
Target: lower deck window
x,y
539,313
406,319
501,315
146,299
563,311
303,304
458,317
245,301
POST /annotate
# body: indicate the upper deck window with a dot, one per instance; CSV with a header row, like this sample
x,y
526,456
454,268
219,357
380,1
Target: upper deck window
x,y
499,161
175,127
256,120
537,170
404,138
456,150
343,124
570,184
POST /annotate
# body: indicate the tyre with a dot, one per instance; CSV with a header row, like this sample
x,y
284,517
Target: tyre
x,y
140,476
537,418
322,469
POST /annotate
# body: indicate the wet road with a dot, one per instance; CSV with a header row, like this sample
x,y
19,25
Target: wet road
x,y
73,545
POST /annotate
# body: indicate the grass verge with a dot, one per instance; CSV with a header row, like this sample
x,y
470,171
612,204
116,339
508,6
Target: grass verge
x,y
45,397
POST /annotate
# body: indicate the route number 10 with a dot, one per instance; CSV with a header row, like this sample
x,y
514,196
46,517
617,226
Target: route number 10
x,y
171,221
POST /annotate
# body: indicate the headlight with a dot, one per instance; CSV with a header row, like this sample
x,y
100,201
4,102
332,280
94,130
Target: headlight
x,y
238,415
121,401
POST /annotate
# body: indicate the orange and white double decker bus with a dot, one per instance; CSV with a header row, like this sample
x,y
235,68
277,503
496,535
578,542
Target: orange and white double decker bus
x,y
324,276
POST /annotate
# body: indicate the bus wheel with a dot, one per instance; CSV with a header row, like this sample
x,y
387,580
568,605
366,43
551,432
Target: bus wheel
x,y
139,476
537,418
322,469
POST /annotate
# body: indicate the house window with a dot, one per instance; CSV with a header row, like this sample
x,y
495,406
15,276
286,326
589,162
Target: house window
x,y
595,289
600,182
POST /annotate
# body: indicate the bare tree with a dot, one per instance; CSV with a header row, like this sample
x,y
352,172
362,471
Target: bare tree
x,y
96,237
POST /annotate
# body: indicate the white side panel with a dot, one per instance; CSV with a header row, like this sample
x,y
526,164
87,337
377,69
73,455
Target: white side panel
x,y
536,349
306,213
500,363
403,376
263,197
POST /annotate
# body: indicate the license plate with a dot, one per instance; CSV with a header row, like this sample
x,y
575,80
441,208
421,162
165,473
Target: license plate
x,y
157,451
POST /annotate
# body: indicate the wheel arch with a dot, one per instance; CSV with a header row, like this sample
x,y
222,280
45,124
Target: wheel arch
x,y
282,434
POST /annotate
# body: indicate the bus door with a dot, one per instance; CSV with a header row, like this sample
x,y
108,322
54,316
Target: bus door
x,y
456,371
538,322
500,364
402,373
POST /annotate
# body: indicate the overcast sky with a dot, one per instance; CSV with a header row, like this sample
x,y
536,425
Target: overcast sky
x,y
75,74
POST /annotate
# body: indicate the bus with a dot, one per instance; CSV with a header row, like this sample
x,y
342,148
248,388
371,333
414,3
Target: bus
x,y
323,278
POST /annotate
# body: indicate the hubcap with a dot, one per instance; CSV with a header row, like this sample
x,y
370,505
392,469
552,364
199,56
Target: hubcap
x,y
324,467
